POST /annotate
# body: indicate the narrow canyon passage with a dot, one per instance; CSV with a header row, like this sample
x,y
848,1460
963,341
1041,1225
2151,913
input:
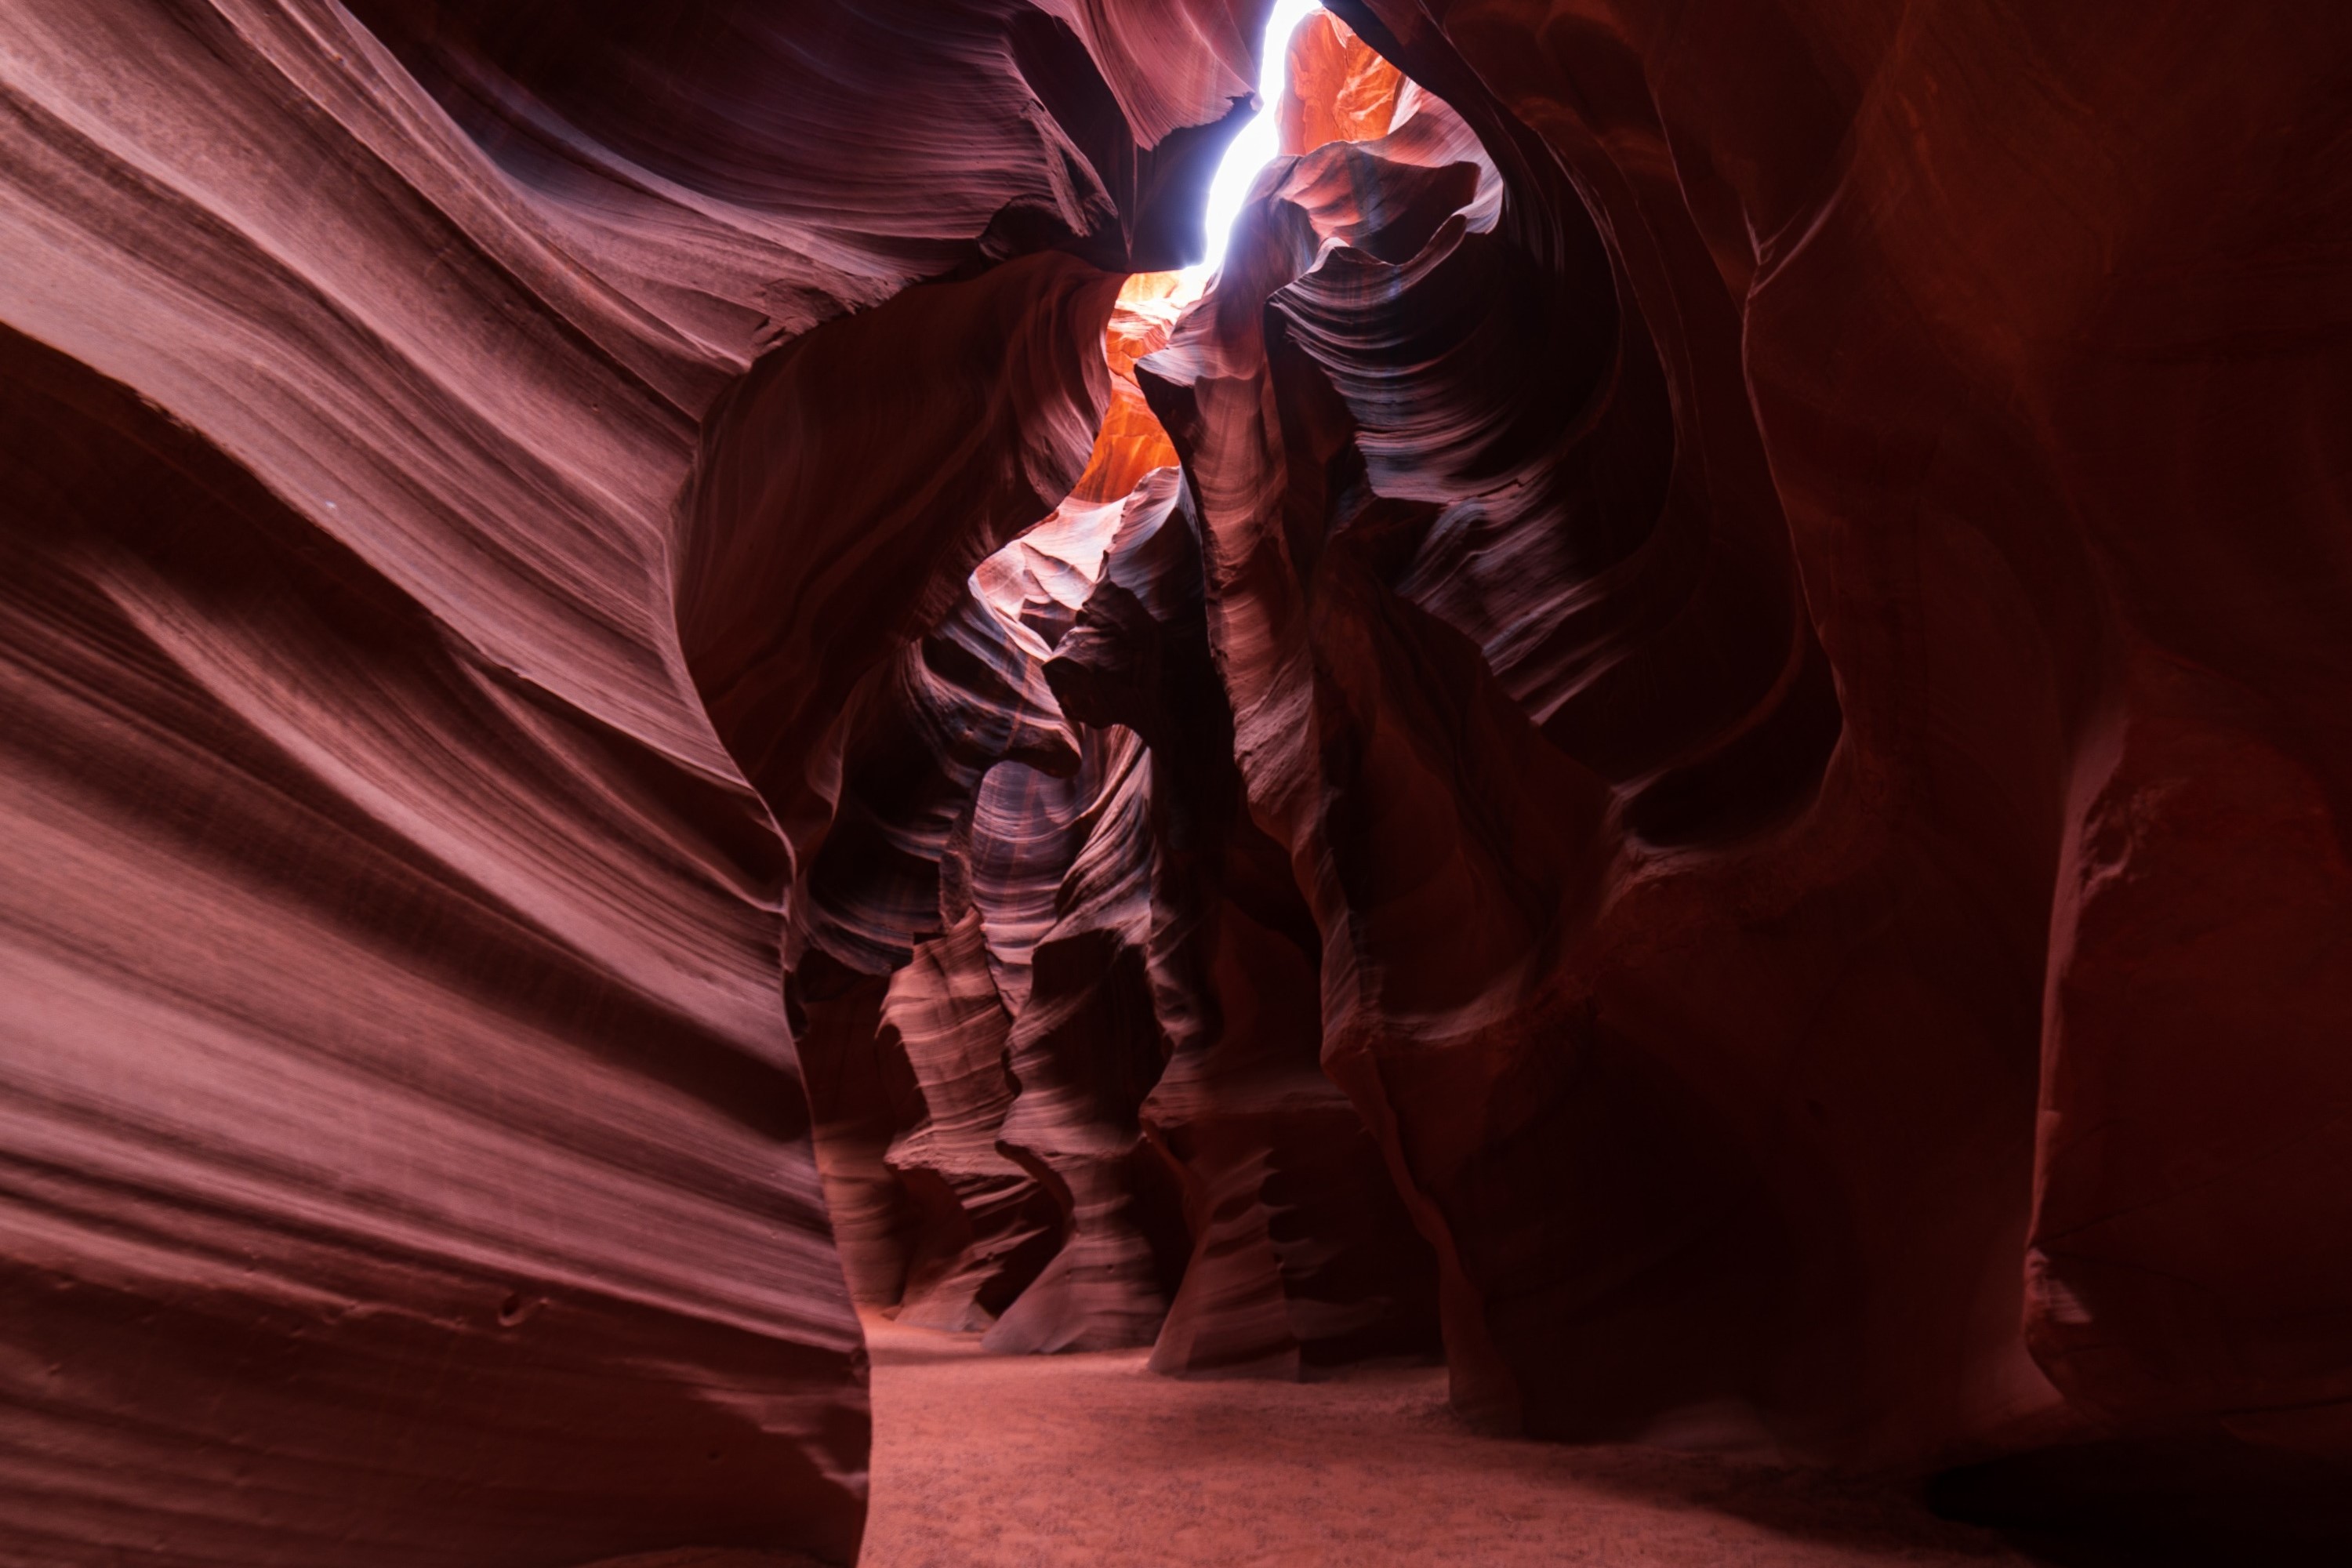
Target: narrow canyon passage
x,y
750,812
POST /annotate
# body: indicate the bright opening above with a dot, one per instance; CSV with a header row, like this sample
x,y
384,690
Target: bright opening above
x,y
1254,147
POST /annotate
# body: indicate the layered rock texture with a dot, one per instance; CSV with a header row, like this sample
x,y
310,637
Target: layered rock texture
x,y
1686,740
461,460
1930,601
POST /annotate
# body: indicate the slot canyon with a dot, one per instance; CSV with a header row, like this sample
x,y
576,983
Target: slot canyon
x,y
757,812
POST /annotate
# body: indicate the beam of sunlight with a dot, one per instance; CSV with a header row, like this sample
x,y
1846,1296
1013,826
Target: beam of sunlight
x,y
1253,148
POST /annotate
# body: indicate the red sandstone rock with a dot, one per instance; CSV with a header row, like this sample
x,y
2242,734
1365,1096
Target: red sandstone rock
x,y
408,1154
1373,509
988,1226
1130,443
1337,88
1301,1256
1992,418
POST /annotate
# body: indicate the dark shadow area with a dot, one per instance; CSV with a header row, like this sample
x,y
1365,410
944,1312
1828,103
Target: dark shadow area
x,y
2188,1499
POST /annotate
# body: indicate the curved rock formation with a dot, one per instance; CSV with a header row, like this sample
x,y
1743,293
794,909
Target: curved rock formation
x,y
986,1227
1915,871
406,1152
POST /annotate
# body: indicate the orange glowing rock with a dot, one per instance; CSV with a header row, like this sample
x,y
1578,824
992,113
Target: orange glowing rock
x,y
1131,443
1338,90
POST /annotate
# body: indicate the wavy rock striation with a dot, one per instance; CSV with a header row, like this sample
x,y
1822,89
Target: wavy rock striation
x,y
1100,974
1757,735
464,470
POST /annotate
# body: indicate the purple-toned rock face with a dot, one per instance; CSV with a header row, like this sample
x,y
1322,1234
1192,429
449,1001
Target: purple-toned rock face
x,y
1689,740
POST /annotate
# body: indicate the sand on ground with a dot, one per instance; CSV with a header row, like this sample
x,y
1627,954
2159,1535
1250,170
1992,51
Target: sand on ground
x,y
987,1461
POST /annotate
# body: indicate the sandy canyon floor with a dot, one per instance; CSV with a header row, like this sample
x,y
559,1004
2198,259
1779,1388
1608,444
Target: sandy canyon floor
x,y
1037,1462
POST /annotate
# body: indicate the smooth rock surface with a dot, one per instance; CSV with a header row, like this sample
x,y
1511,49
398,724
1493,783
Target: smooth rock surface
x,y
1746,782
405,1154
